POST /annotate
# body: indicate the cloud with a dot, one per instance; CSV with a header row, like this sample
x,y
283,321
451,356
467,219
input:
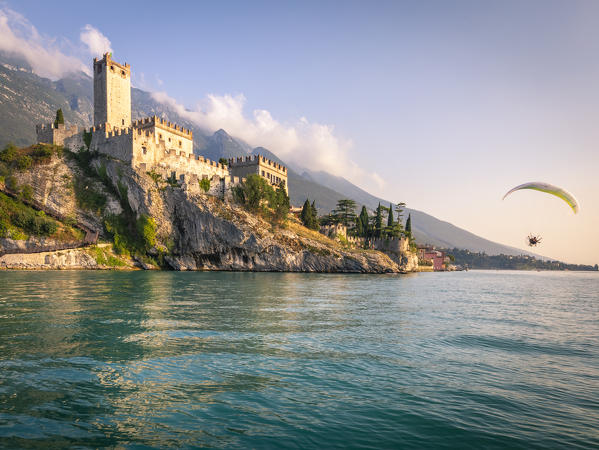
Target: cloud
x,y
21,39
96,42
302,143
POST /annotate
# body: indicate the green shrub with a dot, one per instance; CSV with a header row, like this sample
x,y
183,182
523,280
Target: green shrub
x,y
205,184
146,227
24,162
87,138
27,192
9,154
87,197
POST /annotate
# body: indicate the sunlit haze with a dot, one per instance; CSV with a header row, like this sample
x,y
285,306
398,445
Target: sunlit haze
x,y
442,105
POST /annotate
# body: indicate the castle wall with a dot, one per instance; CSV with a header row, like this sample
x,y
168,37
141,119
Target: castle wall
x,y
112,93
116,144
153,130
271,171
50,134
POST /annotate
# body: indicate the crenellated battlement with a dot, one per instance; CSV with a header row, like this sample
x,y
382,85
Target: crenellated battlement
x,y
242,161
158,122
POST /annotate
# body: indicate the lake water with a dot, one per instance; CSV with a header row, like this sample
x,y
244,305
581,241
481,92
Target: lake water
x,y
237,360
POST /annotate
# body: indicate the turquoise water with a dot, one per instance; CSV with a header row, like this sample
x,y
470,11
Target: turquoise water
x,y
236,360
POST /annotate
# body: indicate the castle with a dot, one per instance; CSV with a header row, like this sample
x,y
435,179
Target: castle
x,y
152,143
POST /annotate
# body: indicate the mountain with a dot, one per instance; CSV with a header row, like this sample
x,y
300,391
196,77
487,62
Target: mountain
x,y
27,99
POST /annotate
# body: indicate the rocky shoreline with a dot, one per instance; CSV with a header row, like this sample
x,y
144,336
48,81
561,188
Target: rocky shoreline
x,y
194,231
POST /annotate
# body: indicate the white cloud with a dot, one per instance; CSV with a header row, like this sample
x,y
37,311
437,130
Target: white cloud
x,y
96,42
303,143
20,38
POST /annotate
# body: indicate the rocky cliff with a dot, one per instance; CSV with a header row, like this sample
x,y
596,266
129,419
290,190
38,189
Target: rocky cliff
x,y
194,231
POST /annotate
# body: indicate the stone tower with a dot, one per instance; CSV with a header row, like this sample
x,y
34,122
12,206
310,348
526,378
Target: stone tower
x,y
112,93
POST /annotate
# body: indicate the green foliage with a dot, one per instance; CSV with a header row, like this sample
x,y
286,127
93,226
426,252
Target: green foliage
x,y
378,222
9,154
27,192
472,260
155,176
11,183
253,191
14,214
103,257
223,161
308,217
205,184
362,225
146,229
345,212
59,117
390,217
24,162
87,197
280,204
255,194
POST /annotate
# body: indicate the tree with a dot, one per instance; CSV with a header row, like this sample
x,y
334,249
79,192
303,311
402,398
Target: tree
x,y
409,226
59,118
345,212
223,161
306,215
363,221
280,204
378,221
315,223
252,191
390,217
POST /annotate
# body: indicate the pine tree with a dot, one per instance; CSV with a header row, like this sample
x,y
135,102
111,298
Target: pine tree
x,y
409,225
59,118
346,212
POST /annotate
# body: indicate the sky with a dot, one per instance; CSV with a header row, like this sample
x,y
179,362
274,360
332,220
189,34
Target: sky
x,y
444,105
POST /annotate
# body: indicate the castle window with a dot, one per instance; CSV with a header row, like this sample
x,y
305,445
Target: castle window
x,y
144,150
169,139
123,72
160,136
263,173
179,143
123,120
112,68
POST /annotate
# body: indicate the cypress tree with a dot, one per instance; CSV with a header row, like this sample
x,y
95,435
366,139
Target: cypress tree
x,y
390,219
315,222
363,219
409,225
378,222
306,214
59,118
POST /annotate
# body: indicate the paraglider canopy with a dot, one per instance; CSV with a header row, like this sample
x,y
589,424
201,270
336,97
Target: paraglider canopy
x,y
549,189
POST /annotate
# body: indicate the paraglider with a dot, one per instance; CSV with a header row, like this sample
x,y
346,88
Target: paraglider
x,y
549,189
533,241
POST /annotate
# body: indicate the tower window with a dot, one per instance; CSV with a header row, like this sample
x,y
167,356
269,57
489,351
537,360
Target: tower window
x,y
112,68
144,150
123,120
123,72
179,143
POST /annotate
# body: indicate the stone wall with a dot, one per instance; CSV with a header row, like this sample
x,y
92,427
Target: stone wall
x,y
50,134
393,245
271,171
112,93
